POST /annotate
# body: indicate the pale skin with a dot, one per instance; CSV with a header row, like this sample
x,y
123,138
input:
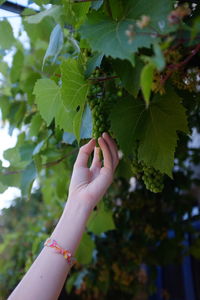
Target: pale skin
x,y
45,278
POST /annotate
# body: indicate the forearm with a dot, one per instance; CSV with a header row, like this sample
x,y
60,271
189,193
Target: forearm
x,y
45,278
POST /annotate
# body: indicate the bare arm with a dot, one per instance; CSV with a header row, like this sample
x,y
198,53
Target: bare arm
x,y
45,278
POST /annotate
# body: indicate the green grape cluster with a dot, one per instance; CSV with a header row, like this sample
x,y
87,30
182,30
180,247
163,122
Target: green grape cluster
x,y
100,104
153,179
136,168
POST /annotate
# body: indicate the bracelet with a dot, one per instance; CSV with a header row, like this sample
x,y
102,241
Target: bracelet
x,y
66,253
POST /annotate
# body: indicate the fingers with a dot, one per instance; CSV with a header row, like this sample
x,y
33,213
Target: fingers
x,y
84,153
108,161
96,163
113,149
109,149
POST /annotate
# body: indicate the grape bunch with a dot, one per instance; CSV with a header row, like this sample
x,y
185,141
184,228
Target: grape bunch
x,y
136,167
153,179
100,104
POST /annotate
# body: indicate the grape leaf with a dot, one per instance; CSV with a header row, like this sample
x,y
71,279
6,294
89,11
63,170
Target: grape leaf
x,y
86,128
146,80
40,31
9,178
100,220
117,9
63,118
96,4
36,123
48,98
85,250
156,10
3,68
109,36
4,106
13,154
74,93
92,63
156,128
55,44
3,188
75,13
158,59
17,65
27,178
129,75
55,11
6,35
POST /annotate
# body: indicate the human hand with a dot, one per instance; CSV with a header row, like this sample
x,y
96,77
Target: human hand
x,y
89,184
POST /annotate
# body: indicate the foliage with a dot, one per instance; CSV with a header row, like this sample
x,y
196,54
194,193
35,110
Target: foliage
x,y
147,56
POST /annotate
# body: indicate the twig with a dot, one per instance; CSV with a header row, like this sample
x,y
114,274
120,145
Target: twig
x,y
47,165
103,78
55,162
174,67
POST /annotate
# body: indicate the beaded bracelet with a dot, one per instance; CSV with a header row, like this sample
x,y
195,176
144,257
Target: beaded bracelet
x,y
66,253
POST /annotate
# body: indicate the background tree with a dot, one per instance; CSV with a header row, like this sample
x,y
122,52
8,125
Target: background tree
x,y
127,67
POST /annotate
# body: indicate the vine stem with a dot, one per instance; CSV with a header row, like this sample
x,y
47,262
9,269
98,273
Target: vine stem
x,y
47,165
103,78
174,67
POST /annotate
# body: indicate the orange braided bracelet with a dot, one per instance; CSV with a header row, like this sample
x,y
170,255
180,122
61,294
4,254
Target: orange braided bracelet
x,y
66,253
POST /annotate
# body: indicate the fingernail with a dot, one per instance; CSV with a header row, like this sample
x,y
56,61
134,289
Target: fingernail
x,y
104,134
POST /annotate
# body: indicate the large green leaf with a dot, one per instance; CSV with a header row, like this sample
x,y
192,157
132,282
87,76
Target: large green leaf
x,y
109,37
100,220
7,39
156,128
74,93
48,98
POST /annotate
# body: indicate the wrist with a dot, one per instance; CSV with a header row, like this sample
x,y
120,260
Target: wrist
x,y
71,225
84,205
75,210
